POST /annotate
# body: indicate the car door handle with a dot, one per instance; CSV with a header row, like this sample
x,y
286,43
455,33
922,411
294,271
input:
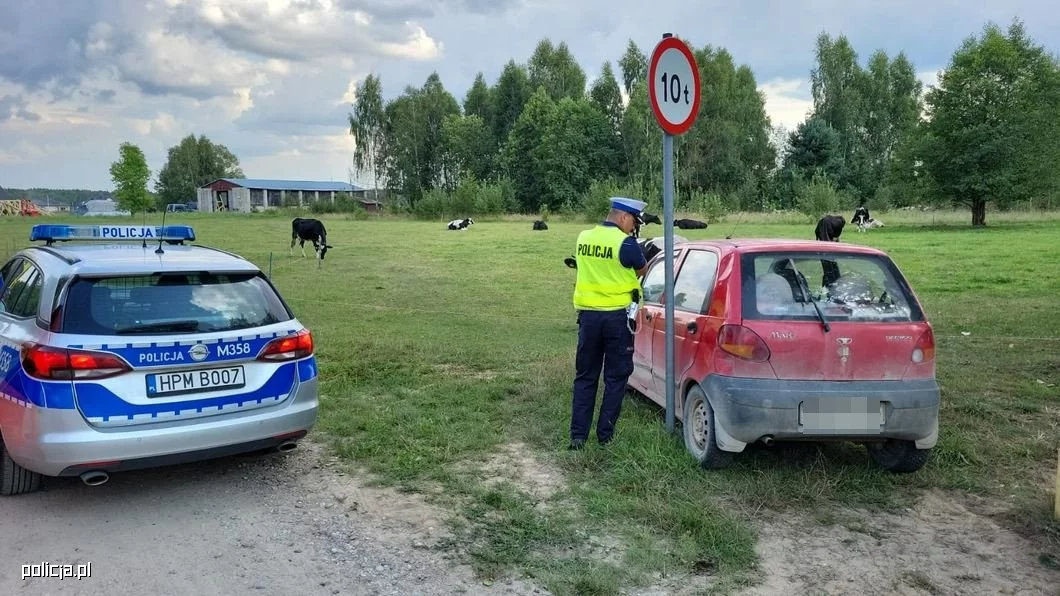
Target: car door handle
x,y
692,327
647,316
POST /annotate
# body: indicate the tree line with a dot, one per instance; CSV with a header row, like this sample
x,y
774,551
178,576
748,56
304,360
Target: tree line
x,y
539,139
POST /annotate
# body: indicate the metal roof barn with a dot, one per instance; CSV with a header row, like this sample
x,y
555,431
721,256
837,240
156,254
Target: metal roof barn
x,y
248,194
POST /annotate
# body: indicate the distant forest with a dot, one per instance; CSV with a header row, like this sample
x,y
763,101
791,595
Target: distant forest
x,y
44,196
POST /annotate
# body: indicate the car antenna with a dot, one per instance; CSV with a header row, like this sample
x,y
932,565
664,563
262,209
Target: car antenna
x,y
161,233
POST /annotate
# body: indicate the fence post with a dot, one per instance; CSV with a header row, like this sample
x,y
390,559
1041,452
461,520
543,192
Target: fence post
x,y
1056,495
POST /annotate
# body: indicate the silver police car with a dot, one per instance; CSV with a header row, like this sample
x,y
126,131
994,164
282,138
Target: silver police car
x,y
124,347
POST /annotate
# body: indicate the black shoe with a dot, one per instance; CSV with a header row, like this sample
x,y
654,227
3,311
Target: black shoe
x,y
605,441
576,444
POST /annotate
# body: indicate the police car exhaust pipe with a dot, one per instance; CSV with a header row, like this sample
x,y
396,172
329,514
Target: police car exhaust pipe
x,y
95,477
287,446
767,440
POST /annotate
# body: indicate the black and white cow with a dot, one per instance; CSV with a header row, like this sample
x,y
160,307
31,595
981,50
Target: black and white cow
x,y
829,228
861,218
690,224
540,225
312,230
461,224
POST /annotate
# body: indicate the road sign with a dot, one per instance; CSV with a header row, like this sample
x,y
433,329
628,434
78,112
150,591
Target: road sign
x,y
673,88
673,85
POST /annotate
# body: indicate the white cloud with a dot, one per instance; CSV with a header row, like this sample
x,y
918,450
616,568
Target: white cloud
x,y
930,78
788,101
294,30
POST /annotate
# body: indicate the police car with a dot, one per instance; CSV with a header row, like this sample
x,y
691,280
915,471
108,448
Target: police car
x,y
125,347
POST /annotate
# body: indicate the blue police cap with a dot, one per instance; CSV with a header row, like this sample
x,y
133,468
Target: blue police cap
x,y
632,206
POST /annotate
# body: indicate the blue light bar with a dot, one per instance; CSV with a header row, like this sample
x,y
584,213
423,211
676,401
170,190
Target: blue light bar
x,y
63,232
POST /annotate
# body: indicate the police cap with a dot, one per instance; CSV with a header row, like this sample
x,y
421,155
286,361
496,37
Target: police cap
x,y
631,206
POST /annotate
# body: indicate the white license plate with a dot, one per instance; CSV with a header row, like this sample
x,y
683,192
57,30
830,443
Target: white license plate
x,y
841,416
195,381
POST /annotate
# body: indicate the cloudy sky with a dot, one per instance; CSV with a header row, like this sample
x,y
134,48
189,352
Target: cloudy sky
x,y
273,79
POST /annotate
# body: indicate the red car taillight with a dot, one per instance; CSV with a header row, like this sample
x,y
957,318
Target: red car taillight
x,y
50,363
291,347
924,350
742,343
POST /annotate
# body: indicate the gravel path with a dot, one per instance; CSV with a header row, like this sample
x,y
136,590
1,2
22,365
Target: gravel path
x,y
280,524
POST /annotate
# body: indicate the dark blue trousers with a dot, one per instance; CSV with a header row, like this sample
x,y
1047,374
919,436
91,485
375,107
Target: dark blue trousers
x,y
604,343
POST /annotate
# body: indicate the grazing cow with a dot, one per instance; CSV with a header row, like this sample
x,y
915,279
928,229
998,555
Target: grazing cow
x,y
540,225
861,218
829,228
313,231
650,218
690,224
461,224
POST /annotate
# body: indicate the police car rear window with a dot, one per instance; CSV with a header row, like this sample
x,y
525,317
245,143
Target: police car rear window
x,y
167,304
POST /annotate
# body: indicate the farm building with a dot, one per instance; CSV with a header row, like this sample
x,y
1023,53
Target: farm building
x,y
243,194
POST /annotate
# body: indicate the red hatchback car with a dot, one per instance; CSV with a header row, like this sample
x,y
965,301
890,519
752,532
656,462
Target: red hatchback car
x,y
786,340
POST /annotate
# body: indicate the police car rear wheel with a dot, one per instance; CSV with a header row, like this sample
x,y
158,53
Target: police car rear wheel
x,y
14,479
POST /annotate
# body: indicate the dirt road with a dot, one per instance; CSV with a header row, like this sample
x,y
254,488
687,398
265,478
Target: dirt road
x,y
285,524
295,524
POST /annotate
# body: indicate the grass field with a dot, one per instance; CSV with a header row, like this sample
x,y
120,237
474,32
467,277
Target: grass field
x,y
439,350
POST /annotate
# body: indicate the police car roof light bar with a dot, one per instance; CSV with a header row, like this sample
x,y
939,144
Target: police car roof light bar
x,y
52,233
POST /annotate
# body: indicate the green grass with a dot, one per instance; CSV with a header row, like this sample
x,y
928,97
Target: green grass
x,y
437,349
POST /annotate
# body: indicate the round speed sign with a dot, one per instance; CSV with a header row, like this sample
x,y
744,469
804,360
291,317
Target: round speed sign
x,y
673,85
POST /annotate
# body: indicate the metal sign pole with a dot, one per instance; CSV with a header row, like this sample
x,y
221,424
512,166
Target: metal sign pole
x,y
668,236
673,90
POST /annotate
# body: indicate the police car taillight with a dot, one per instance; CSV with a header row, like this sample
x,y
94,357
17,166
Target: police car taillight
x,y
55,364
291,347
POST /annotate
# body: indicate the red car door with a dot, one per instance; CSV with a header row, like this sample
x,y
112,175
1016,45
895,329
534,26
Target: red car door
x,y
652,284
693,285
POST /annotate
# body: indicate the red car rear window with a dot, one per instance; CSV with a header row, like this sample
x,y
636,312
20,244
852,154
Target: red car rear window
x,y
845,286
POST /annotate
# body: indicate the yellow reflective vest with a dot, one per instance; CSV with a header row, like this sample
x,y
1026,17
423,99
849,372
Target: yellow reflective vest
x,y
603,283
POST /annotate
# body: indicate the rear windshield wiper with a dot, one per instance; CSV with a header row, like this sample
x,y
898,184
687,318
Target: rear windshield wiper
x,y
808,296
184,325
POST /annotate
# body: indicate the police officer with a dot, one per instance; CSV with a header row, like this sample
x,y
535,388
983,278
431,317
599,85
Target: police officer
x,y
609,263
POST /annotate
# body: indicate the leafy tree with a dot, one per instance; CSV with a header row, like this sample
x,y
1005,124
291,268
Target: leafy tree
x,y
814,148
479,101
368,127
469,143
870,109
578,145
993,121
634,67
509,98
641,139
606,96
415,156
521,153
130,174
555,69
729,144
192,163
